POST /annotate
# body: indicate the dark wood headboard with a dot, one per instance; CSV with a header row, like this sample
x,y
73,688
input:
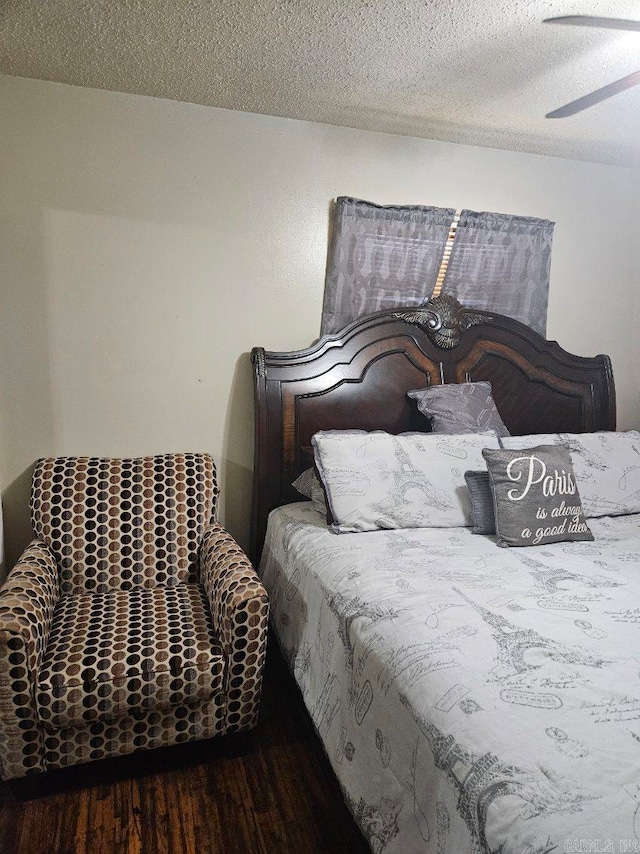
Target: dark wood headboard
x,y
358,379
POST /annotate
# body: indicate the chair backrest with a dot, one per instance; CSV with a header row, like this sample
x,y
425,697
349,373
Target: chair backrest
x,y
123,523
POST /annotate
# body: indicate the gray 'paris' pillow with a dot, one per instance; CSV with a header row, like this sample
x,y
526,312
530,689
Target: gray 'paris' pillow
x,y
484,518
535,497
456,408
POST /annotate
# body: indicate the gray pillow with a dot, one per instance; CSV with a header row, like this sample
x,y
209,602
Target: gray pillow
x,y
484,519
459,408
535,497
307,484
303,483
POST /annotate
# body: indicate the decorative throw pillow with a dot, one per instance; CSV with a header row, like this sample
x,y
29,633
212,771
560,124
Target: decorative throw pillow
x,y
303,483
307,484
535,497
606,466
484,518
414,480
459,408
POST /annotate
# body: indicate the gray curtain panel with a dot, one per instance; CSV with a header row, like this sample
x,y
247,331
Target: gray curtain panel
x,y
381,257
501,263
389,256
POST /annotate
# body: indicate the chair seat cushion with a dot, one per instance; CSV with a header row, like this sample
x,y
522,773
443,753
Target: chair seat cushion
x,y
110,654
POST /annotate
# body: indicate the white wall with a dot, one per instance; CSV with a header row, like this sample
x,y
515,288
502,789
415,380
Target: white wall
x,y
147,245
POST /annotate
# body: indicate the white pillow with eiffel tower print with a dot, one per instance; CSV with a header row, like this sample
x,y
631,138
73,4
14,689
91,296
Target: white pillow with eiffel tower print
x,y
606,466
412,480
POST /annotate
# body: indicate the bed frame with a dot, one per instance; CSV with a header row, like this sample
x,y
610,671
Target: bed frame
x,y
358,379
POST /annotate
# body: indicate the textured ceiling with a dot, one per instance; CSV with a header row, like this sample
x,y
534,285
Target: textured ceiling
x,y
481,72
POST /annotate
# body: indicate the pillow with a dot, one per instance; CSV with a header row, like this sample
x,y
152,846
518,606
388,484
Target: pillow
x,y
307,484
535,497
414,480
303,483
606,466
484,519
459,408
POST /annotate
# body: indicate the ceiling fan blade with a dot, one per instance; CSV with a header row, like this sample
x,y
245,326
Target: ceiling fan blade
x,y
595,97
594,21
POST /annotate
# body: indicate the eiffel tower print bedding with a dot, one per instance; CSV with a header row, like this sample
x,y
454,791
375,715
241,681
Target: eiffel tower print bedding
x,y
470,698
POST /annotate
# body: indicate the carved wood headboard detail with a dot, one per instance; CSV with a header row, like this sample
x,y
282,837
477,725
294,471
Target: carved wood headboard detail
x,y
358,379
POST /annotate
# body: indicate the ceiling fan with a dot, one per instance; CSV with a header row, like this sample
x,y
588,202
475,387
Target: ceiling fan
x,y
611,88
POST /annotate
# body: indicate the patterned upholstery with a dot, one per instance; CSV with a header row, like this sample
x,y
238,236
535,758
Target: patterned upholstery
x,y
134,621
111,653
119,524
241,611
27,602
137,731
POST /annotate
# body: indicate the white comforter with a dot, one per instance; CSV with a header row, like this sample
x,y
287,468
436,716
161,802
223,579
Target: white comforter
x,y
470,698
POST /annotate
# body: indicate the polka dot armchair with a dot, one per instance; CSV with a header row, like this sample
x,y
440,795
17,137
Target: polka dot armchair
x,y
132,621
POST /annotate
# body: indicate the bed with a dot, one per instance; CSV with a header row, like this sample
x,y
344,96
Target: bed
x,y
469,698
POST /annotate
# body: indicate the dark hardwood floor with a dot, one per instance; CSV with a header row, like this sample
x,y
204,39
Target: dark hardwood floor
x,y
271,790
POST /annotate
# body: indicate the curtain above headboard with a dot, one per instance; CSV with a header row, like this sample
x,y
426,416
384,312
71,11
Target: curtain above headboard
x,y
388,256
381,257
501,263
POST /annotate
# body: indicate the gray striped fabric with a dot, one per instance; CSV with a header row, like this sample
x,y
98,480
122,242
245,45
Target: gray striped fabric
x,y
484,519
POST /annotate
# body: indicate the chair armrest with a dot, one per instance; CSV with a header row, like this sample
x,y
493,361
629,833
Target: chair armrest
x,y
27,600
240,610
